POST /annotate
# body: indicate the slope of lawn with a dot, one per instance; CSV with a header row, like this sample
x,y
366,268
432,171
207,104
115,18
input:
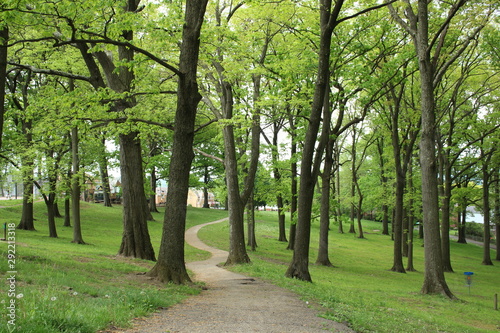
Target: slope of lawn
x,y
361,291
65,287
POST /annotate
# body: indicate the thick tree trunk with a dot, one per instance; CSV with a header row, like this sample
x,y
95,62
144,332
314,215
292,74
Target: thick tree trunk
x,y
171,262
135,240
237,249
75,189
49,202
27,221
299,266
434,280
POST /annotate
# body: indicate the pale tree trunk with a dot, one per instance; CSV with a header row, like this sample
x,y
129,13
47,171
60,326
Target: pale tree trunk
x,y
75,189
171,262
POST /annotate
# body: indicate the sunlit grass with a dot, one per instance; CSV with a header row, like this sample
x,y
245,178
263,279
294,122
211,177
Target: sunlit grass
x,y
360,289
65,287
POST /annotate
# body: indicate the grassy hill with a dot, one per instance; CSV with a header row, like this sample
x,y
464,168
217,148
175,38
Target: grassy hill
x,y
65,287
361,290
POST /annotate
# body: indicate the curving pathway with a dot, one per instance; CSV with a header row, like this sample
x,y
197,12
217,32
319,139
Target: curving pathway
x,y
234,303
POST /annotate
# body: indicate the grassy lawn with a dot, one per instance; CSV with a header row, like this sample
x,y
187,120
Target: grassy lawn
x,y
64,287
361,290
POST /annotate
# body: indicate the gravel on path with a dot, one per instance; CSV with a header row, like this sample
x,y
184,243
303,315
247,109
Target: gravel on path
x,y
233,303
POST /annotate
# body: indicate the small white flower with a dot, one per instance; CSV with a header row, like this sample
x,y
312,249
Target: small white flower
x,y
106,296
53,298
75,293
19,296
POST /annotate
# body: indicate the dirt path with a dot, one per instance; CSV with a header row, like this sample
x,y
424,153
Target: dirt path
x,y
234,303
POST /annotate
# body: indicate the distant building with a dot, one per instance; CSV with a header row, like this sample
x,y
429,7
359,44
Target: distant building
x,y
195,198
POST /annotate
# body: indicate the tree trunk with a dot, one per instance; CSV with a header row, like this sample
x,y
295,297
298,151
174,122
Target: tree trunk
x,y
299,266
75,189
152,196
486,211
461,218
27,221
411,219
277,178
103,169
135,240
434,280
67,209
252,242
206,180
171,262
237,250
4,36
49,202
293,186
324,220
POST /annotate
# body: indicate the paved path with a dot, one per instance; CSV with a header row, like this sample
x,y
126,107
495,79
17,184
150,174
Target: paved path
x,y
234,303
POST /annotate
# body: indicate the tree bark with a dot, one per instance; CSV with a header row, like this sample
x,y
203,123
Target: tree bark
x,y
434,280
299,266
171,263
293,186
103,169
75,189
135,240
252,241
27,221
152,196
324,220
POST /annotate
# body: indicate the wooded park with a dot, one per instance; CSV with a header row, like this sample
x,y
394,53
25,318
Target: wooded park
x,y
332,112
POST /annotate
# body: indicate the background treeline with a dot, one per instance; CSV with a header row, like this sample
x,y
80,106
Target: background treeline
x,y
338,111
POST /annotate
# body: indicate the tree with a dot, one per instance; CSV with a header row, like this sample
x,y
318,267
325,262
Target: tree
x,y
433,63
171,265
75,188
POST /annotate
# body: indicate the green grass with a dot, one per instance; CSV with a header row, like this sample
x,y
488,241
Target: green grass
x,y
360,289
65,287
